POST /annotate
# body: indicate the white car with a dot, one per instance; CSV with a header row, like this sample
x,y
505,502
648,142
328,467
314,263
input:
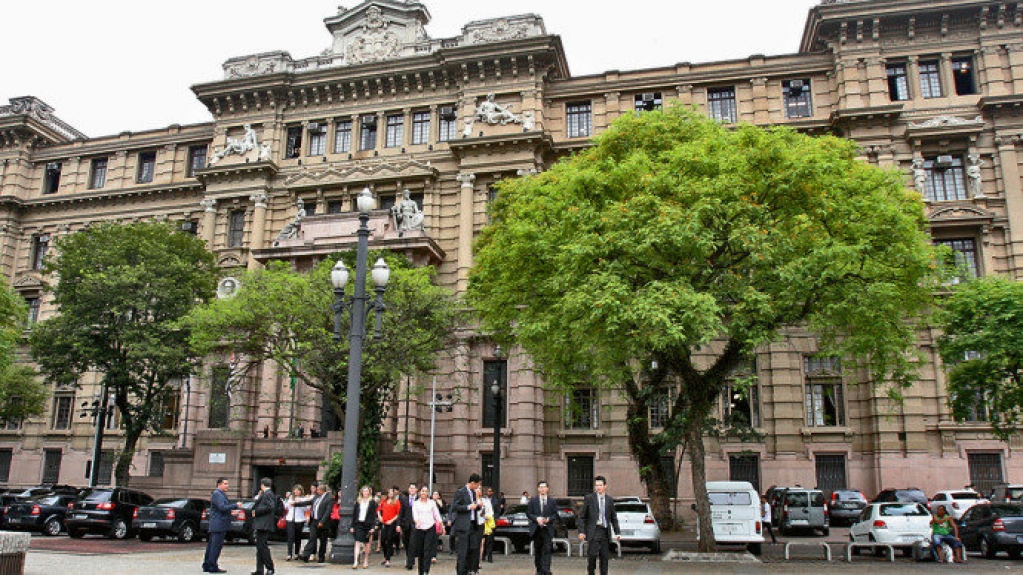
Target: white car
x,y
897,524
956,501
637,524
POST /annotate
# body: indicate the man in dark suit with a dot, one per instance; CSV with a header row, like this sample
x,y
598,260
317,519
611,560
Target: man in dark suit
x,y
406,525
466,509
220,522
265,523
319,526
598,523
543,515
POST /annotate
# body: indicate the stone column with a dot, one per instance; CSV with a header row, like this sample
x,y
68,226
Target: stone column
x,y
987,65
913,77
258,226
1009,163
761,109
612,106
877,82
948,83
209,220
1015,53
466,228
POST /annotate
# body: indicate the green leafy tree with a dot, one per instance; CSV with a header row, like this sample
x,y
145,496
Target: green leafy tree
x,y
284,317
982,348
121,295
22,395
660,258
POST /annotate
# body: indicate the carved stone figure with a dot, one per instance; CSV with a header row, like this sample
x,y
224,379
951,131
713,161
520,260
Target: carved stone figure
x,y
375,42
241,147
528,121
493,113
973,174
291,229
264,152
407,215
920,177
469,122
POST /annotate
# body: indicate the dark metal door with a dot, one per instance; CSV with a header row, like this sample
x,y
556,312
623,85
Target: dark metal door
x,y
830,472
745,468
985,471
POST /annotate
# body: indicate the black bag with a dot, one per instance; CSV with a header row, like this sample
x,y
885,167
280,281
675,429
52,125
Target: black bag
x,y
279,508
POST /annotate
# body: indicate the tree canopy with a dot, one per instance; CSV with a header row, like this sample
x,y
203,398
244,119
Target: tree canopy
x,y
121,294
675,246
982,349
22,395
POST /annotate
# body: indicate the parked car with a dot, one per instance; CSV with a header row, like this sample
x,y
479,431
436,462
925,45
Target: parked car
x,y
241,523
846,505
170,517
1007,494
909,495
897,524
736,514
638,525
956,502
43,513
993,527
771,497
514,525
566,510
105,510
801,508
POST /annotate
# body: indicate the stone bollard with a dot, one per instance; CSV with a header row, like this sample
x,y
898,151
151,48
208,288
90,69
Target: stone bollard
x,y
13,548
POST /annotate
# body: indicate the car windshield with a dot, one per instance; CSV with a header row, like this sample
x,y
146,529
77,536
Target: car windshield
x,y
1015,493
518,508
730,498
97,495
1003,510
170,502
45,500
966,495
850,496
630,508
903,510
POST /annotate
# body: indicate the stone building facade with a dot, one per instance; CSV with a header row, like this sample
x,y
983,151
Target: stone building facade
x,y
933,89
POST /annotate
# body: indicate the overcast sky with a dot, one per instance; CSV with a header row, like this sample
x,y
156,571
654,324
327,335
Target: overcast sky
x,y
108,66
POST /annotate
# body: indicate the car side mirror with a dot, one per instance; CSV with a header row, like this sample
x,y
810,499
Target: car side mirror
x,y
693,507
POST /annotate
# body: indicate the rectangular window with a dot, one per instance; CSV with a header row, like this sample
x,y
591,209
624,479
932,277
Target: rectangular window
x,y
236,229
40,245
740,405
648,102
745,468
582,409
930,79
898,82
63,408
310,207
196,159
985,471
317,139
105,471
98,173
580,475
156,464
579,119
395,135
420,128
825,402
293,143
33,309
51,466
977,411
335,207
796,94
368,133
963,76
448,124
964,254
5,464
830,472
721,104
171,409
495,371
51,179
220,401
147,167
946,178
660,409
343,137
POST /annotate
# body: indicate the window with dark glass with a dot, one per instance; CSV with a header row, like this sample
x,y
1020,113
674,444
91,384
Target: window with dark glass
x,y
293,143
220,401
236,229
33,309
580,475
98,173
147,167
448,124
196,159
964,258
40,245
579,119
5,464
335,207
648,101
310,207
386,201
63,405
740,397
317,138
796,94
898,82
930,79
660,409
963,76
582,410
51,466
495,370
395,134
825,402
171,409
51,179
190,227
420,128
343,137
721,104
946,178
368,133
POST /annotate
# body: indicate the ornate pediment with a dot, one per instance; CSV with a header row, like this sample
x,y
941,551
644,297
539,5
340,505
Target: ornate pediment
x,y
945,125
501,29
377,30
961,213
362,173
29,282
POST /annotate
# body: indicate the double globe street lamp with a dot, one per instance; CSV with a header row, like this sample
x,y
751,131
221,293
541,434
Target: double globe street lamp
x,y
343,550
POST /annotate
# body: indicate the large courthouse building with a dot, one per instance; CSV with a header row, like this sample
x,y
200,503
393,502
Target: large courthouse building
x,y
933,89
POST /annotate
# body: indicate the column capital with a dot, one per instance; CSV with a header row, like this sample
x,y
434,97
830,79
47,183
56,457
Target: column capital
x,y
209,204
259,198
467,179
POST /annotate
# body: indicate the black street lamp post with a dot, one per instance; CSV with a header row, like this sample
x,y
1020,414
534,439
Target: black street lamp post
x,y
495,390
343,550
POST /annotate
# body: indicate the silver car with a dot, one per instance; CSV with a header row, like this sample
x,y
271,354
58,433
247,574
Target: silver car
x,y
638,525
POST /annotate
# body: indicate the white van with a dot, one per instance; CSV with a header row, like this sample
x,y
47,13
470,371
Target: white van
x,y
736,514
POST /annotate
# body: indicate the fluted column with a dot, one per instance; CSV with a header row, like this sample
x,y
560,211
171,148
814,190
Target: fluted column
x,y
1009,163
209,220
258,226
465,228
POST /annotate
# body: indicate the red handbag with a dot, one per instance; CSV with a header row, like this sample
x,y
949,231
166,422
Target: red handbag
x,y
335,514
282,523
440,528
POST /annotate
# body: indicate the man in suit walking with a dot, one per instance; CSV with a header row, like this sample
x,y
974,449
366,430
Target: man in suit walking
x,y
319,526
466,509
265,522
598,523
220,522
406,525
543,514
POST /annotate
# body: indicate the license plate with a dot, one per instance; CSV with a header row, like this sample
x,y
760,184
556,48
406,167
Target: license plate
x,y
81,516
730,528
15,519
628,532
520,522
149,525
799,522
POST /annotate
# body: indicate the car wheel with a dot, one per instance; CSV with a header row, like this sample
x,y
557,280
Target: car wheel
x,y
187,533
52,527
986,549
755,548
145,536
119,530
76,533
826,531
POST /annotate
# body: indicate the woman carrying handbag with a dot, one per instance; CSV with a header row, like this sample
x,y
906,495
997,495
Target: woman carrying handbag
x,y
428,522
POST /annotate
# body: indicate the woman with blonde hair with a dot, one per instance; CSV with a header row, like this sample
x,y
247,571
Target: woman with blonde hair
x,y
364,520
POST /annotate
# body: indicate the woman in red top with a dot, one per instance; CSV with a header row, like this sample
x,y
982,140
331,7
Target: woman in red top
x,y
387,512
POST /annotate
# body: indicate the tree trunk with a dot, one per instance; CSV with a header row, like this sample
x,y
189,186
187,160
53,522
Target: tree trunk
x,y
694,439
122,472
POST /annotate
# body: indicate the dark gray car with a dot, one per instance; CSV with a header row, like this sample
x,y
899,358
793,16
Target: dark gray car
x,y
803,509
845,506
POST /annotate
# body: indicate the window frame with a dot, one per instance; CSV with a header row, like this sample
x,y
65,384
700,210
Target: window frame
x,y
317,140
930,78
343,136
447,124
965,257
897,75
197,156
40,247
421,121
98,172
368,131
823,372
63,411
801,105
145,173
236,229
293,142
575,476
579,416
946,184
394,130
51,176
579,119
964,82
721,104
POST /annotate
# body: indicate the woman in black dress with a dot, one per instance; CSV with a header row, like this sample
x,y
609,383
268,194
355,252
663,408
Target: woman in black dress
x,y
364,520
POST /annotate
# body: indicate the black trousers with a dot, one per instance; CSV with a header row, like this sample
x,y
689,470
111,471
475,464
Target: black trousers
x,y
389,539
468,550
406,542
599,549
543,548
424,548
488,547
295,537
317,544
264,562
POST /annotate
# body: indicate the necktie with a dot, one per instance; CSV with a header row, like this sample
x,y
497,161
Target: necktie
x,y
600,517
472,499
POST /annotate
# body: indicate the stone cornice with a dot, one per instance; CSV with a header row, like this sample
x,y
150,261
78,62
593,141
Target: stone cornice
x,y
101,195
871,113
360,173
265,168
